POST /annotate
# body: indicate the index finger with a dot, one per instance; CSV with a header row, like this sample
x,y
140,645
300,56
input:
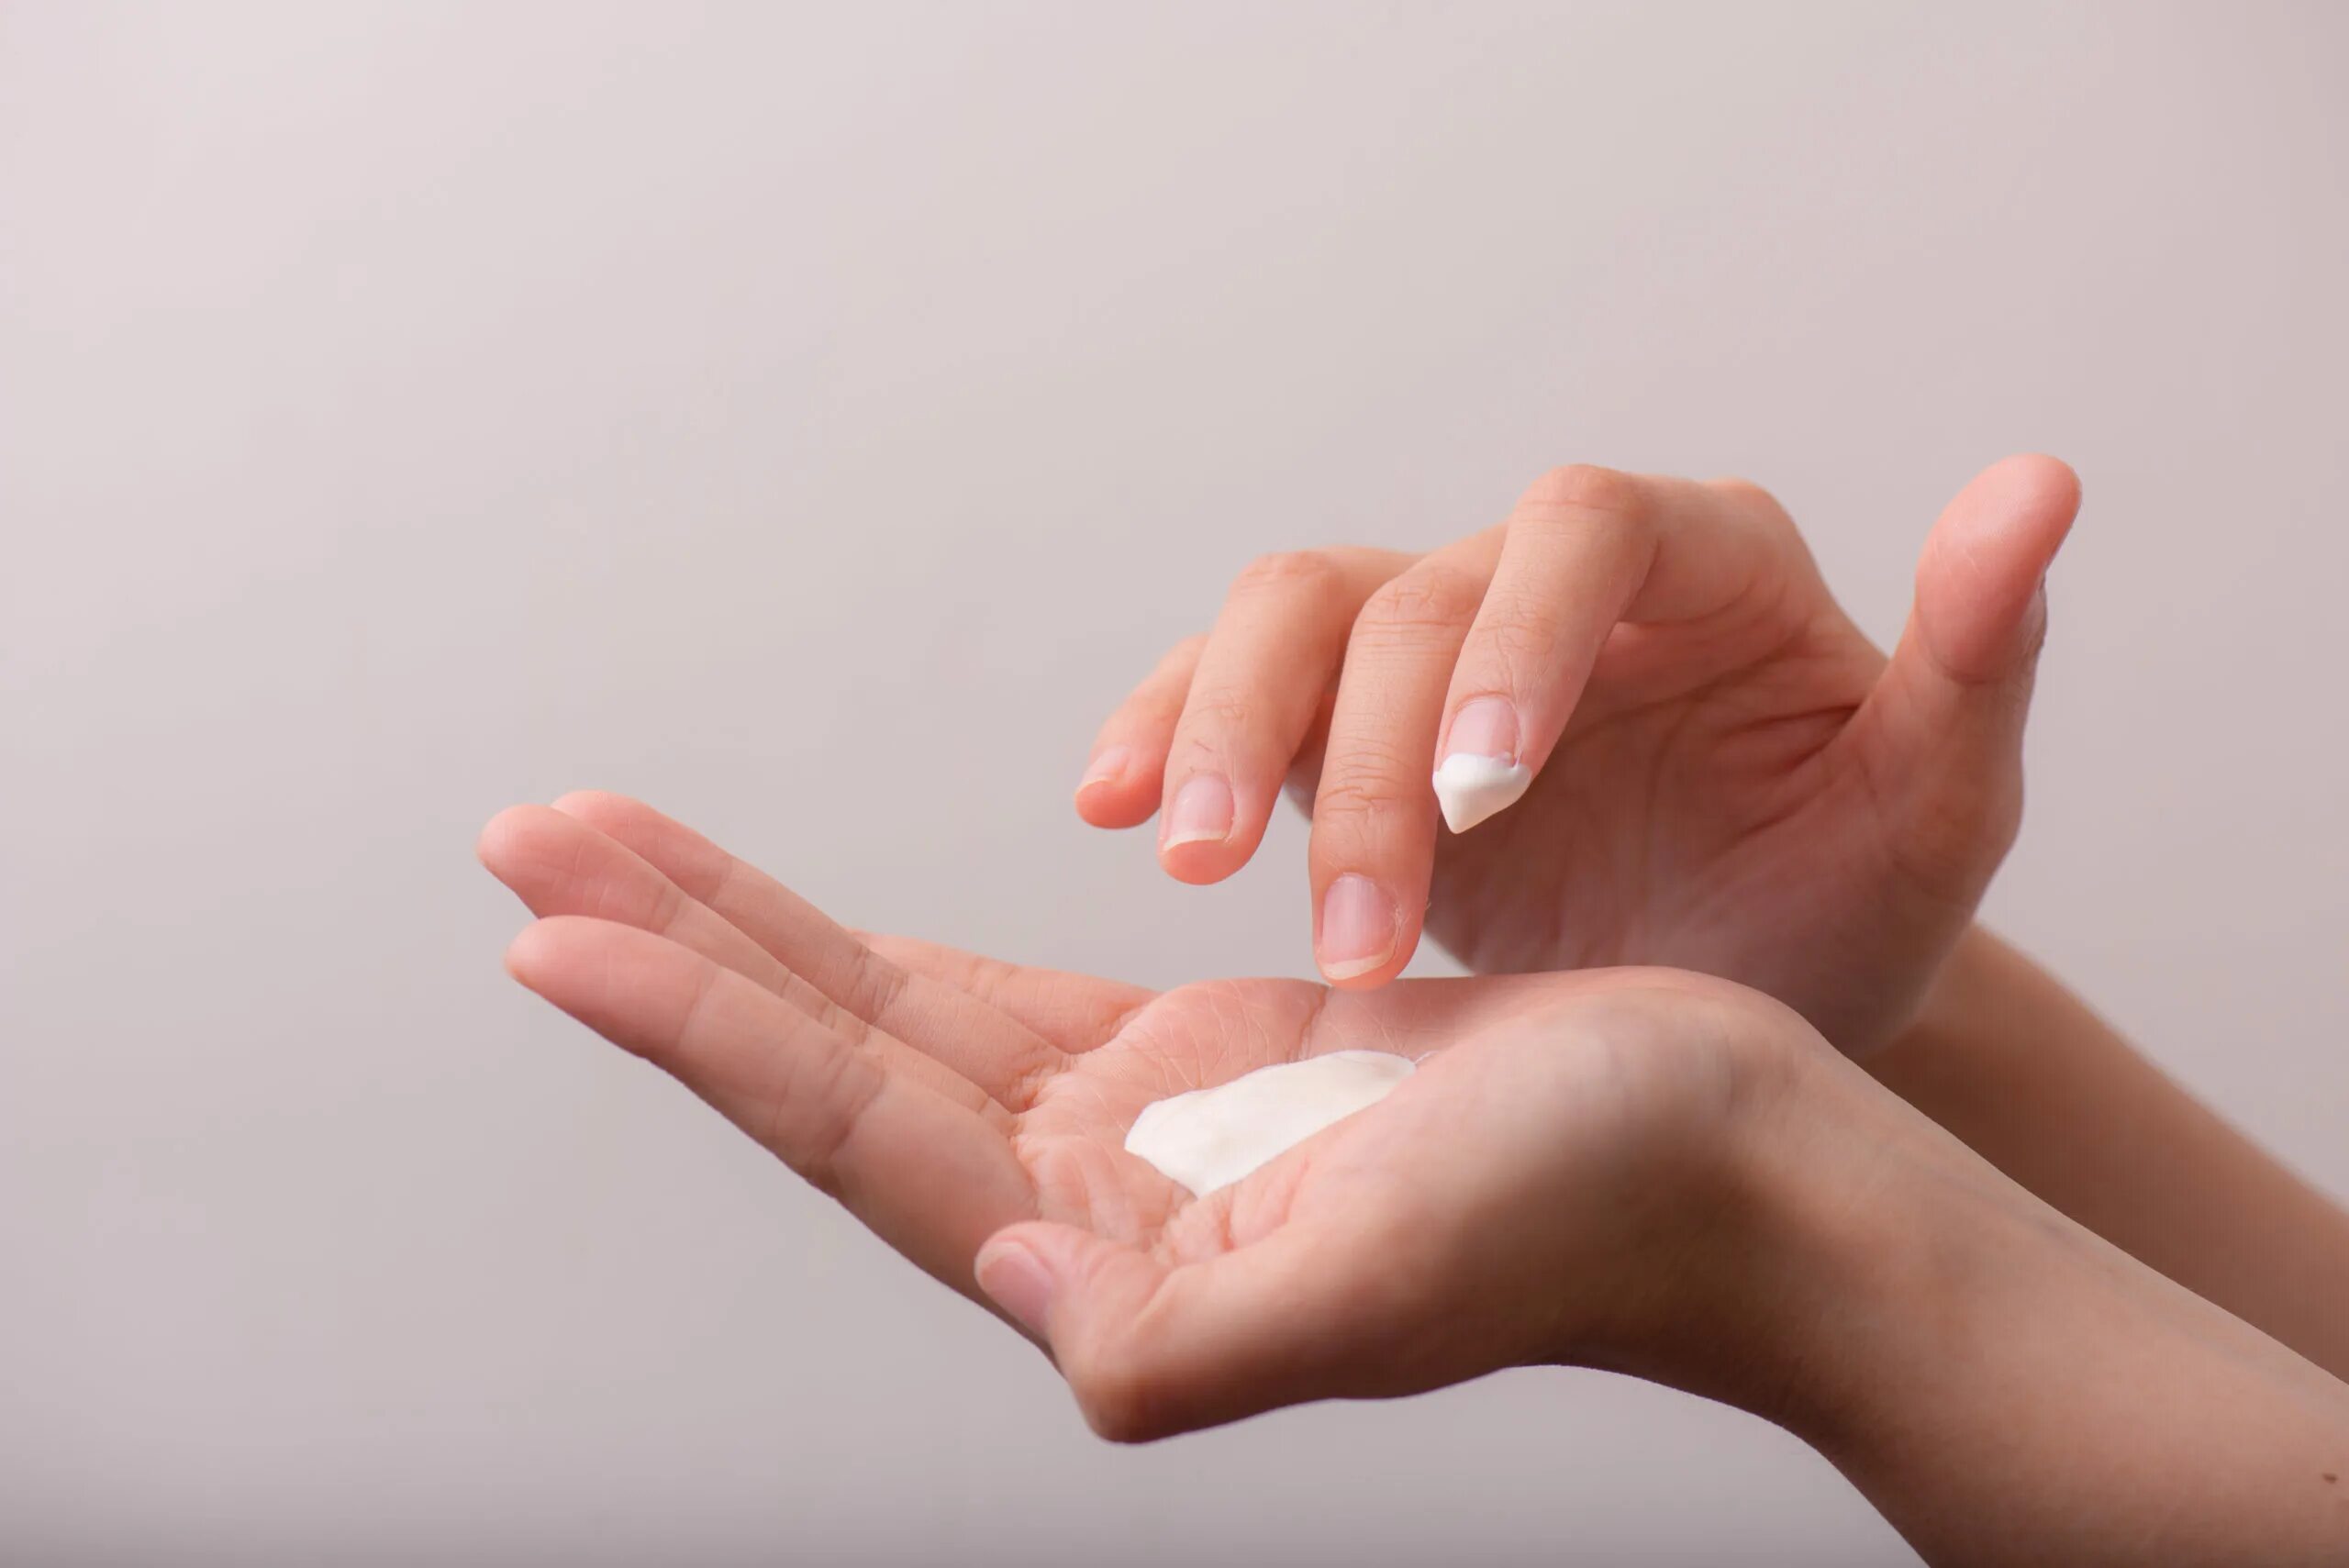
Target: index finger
x,y
1585,550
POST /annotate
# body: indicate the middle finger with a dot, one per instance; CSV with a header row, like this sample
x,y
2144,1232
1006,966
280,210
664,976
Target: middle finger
x,y
1259,678
1374,813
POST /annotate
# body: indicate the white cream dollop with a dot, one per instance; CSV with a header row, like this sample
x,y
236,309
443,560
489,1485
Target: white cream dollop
x,y
1471,788
1210,1138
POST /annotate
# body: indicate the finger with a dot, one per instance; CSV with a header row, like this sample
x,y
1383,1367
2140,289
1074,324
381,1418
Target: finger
x,y
1121,782
1374,815
1304,781
558,865
1941,736
1585,550
926,1176
999,1054
1075,1012
1976,622
1151,1350
1275,649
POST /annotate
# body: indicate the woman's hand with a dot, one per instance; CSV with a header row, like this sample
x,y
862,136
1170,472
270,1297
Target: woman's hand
x,y
1556,1182
1649,1172
1725,775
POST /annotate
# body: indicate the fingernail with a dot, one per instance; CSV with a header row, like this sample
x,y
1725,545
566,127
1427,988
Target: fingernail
x,y
1485,726
1201,810
1019,1285
1105,767
1357,928
1480,774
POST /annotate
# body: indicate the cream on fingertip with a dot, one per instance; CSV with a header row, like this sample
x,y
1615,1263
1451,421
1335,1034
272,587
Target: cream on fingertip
x,y
1471,788
1480,774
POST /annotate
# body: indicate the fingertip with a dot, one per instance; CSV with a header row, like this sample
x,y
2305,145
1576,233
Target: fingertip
x,y
595,805
1017,1280
495,844
1120,788
1361,939
2058,481
1200,862
1369,974
1979,580
1114,803
2022,505
1028,1268
530,955
524,846
582,964
1208,830
1473,787
1016,1283
1200,827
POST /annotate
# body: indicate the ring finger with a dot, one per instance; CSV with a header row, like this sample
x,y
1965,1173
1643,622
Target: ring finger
x,y
1260,679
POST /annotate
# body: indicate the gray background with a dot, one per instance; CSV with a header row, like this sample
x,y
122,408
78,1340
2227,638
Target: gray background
x,y
407,411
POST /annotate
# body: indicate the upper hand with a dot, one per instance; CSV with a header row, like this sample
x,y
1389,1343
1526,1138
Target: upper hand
x,y
1727,775
1542,1188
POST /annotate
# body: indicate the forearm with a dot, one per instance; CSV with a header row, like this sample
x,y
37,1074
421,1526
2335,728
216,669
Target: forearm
x,y
2006,1387
2011,1063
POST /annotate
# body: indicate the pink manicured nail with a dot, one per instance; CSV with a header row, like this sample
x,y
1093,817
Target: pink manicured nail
x,y
1019,1285
1485,727
1105,767
1357,928
1201,810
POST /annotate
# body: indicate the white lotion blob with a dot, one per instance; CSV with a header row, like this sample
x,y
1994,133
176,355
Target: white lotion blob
x,y
1471,788
1210,1138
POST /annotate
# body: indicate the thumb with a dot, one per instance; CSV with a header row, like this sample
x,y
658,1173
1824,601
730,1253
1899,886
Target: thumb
x,y
1945,722
1979,612
1152,1349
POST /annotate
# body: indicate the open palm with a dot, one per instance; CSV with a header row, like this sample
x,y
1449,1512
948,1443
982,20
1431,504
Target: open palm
x,y
974,1113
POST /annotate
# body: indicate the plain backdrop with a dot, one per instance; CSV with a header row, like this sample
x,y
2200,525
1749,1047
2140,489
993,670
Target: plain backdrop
x,y
811,420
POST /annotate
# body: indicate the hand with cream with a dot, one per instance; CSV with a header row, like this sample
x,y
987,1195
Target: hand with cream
x,y
1206,1201
1629,725
1374,1193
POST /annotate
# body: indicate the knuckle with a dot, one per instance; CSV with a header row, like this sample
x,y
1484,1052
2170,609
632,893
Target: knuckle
x,y
1749,491
1367,789
1763,510
1220,711
838,1101
1426,599
1310,570
668,907
1523,640
1585,487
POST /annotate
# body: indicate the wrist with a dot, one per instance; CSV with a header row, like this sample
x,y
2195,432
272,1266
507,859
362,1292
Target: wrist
x,y
1880,1246
1978,980
1830,1241
1805,1216
1772,1213
2000,1380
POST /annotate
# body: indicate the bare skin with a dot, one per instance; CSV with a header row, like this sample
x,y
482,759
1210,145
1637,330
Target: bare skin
x,y
1656,1172
1729,777
2008,1060
1009,1092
